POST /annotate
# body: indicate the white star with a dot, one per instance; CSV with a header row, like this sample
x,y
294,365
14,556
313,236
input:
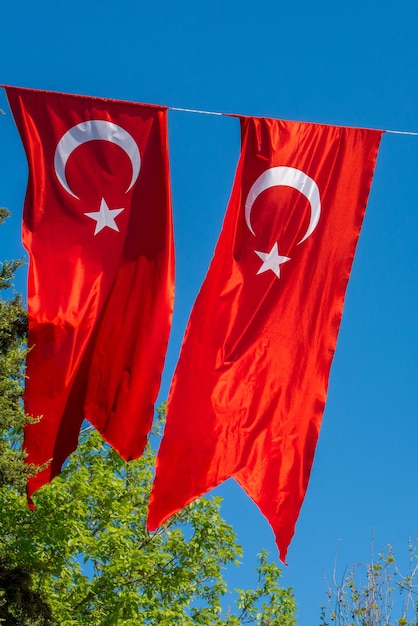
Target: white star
x,y
271,260
105,217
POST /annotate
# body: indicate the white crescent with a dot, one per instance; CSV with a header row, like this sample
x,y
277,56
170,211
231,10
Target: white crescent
x,y
288,177
90,131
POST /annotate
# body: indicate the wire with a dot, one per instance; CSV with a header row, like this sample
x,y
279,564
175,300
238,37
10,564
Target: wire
x,y
195,111
402,132
202,112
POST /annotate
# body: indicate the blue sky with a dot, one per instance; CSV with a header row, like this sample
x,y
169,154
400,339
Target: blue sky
x,y
348,63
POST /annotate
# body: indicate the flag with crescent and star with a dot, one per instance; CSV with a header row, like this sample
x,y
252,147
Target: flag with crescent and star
x,y
249,390
98,229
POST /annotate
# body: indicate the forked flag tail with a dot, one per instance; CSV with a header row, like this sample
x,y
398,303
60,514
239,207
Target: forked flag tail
x,y
97,226
249,390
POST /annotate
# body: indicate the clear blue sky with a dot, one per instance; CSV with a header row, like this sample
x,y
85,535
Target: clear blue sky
x,y
349,63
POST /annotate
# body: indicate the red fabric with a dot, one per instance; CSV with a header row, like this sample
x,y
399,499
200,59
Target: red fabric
x,y
100,299
249,390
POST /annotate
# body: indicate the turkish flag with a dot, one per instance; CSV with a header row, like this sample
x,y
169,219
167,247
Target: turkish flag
x,y
98,229
249,390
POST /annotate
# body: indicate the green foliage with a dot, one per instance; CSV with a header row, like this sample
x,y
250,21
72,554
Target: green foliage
x,y
13,324
19,603
91,556
374,601
84,556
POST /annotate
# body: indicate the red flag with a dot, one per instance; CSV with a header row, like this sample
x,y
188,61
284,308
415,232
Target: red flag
x,y
249,390
97,227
